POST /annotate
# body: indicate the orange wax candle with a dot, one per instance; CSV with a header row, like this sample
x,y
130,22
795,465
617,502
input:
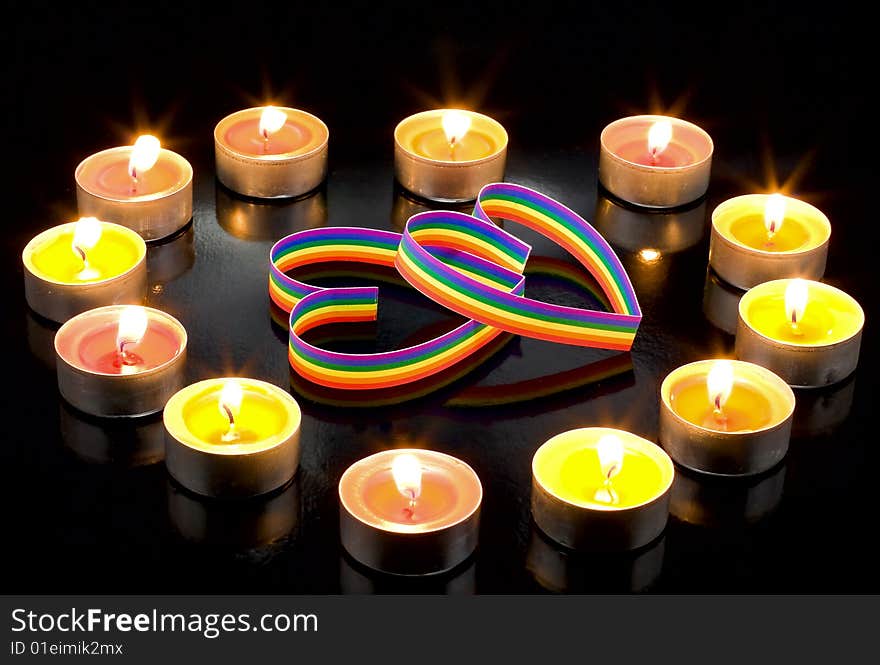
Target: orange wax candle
x,y
410,511
144,187
449,154
271,152
655,161
758,237
807,332
81,265
725,417
120,360
232,437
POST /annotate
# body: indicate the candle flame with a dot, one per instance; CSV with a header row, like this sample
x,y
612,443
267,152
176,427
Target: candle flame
x,y
407,472
774,213
132,326
659,136
86,234
610,451
271,120
455,125
144,155
230,400
720,383
796,297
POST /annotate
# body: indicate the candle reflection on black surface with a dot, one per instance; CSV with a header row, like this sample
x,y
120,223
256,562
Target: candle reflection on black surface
x,y
234,525
252,219
41,338
721,303
170,259
355,578
640,231
561,570
404,206
125,442
724,502
819,412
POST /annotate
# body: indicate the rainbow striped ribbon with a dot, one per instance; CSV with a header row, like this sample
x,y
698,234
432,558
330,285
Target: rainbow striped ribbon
x,y
463,262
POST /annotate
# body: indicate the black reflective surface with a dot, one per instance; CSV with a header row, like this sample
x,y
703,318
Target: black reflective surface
x,y
87,507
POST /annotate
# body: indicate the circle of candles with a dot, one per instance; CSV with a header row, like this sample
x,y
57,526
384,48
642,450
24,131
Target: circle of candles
x,y
232,437
725,417
271,152
410,511
142,186
120,360
449,154
81,265
809,333
598,488
655,161
760,237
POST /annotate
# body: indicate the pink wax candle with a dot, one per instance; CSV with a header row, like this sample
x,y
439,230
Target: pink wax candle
x,y
655,161
143,186
120,360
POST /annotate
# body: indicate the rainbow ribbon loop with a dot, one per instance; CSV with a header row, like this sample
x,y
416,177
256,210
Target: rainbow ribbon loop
x,y
464,262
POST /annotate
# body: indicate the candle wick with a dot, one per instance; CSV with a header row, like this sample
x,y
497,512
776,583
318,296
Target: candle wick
x,y
82,255
134,180
125,358
412,499
229,415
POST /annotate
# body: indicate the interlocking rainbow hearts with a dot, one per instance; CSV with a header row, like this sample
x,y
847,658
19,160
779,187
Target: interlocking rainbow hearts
x,y
464,262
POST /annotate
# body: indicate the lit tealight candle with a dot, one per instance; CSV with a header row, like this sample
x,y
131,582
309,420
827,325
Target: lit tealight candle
x,y
807,332
601,489
725,417
121,360
449,154
655,161
142,186
232,437
758,237
410,512
271,152
81,265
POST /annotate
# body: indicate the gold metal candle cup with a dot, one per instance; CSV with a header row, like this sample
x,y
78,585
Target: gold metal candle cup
x,y
595,528
58,301
231,470
727,453
391,549
153,216
282,175
269,220
241,525
638,230
724,502
745,266
127,443
441,180
721,303
112,395
653,186
800,366
562,570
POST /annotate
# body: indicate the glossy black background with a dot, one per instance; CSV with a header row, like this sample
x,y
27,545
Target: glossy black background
x,y
782,90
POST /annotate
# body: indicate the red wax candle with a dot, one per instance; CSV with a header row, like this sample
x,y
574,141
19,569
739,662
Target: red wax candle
x,y
673,155
438,498
98,350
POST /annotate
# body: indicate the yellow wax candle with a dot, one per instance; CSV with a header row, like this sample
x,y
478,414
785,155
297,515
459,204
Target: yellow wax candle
x,y
85,251
232,437
602,468
805,313
601,488
760,237
79,266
